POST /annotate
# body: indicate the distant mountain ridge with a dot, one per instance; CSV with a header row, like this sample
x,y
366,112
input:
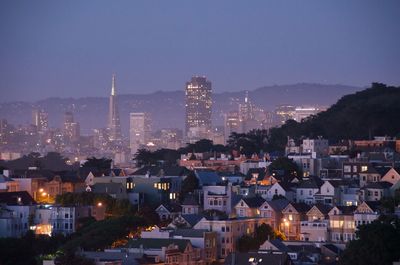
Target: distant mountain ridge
x,y
167,107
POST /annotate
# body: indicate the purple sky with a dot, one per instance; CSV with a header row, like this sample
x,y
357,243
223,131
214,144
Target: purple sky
x,y
70,48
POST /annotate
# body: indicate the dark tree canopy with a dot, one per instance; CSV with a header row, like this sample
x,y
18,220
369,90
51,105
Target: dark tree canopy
x,y
286,164
378,243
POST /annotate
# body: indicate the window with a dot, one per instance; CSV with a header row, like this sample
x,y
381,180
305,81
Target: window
x,y
223,229
310,192
364,168
66,225
222,239
66,216
227,229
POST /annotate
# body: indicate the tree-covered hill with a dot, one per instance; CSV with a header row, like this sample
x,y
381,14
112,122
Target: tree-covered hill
x,y
371,112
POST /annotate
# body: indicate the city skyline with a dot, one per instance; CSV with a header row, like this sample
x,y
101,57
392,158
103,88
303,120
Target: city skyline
x,y
239,46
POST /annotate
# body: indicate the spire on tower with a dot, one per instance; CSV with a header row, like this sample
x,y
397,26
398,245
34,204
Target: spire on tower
x,y
113,85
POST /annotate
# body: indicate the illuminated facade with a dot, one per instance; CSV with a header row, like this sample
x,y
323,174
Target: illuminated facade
x,y
139,130
40,119
114,126
284,113
198,106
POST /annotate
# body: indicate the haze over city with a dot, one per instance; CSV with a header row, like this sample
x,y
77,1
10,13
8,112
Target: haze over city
x,y
71,48
199,133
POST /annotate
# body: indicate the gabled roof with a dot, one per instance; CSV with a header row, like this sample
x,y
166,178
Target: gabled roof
x,y
158,243
311,183
279,204
279,245
253,202
323,208
192,219
171,207
300,207
16,198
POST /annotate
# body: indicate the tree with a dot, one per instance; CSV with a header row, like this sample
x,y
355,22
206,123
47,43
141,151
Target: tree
x,y
262,233
247,243
287,165
101,164
377,243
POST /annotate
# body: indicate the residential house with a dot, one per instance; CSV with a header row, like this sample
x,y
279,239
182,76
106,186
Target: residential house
x,y
190,205
372,174
341,223
229,230
221,198
168,211
249,207
375,191
282,189
366,213
18,207
8,184
292,215
392,176
272,212
185,221
330,192
352,170
306,190
316,227
170,251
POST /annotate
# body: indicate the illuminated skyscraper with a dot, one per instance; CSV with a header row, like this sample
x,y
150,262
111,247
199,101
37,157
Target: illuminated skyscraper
x,y
40,119
114,126
71,128
140,131
198,107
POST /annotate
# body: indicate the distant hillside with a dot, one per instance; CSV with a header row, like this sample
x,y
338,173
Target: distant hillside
x,y
167,108
372,112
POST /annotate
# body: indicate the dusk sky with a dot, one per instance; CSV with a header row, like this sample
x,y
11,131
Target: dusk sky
x,y
71,48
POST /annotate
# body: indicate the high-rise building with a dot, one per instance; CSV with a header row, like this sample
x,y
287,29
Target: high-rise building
x,y
232,124
40,119
114,126
139,130
71,128
198,107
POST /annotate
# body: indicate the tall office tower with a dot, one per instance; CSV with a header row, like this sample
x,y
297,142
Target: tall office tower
x,y
246,109
232,124
71,128
114,126
198,107
139,130
40,119
247,115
